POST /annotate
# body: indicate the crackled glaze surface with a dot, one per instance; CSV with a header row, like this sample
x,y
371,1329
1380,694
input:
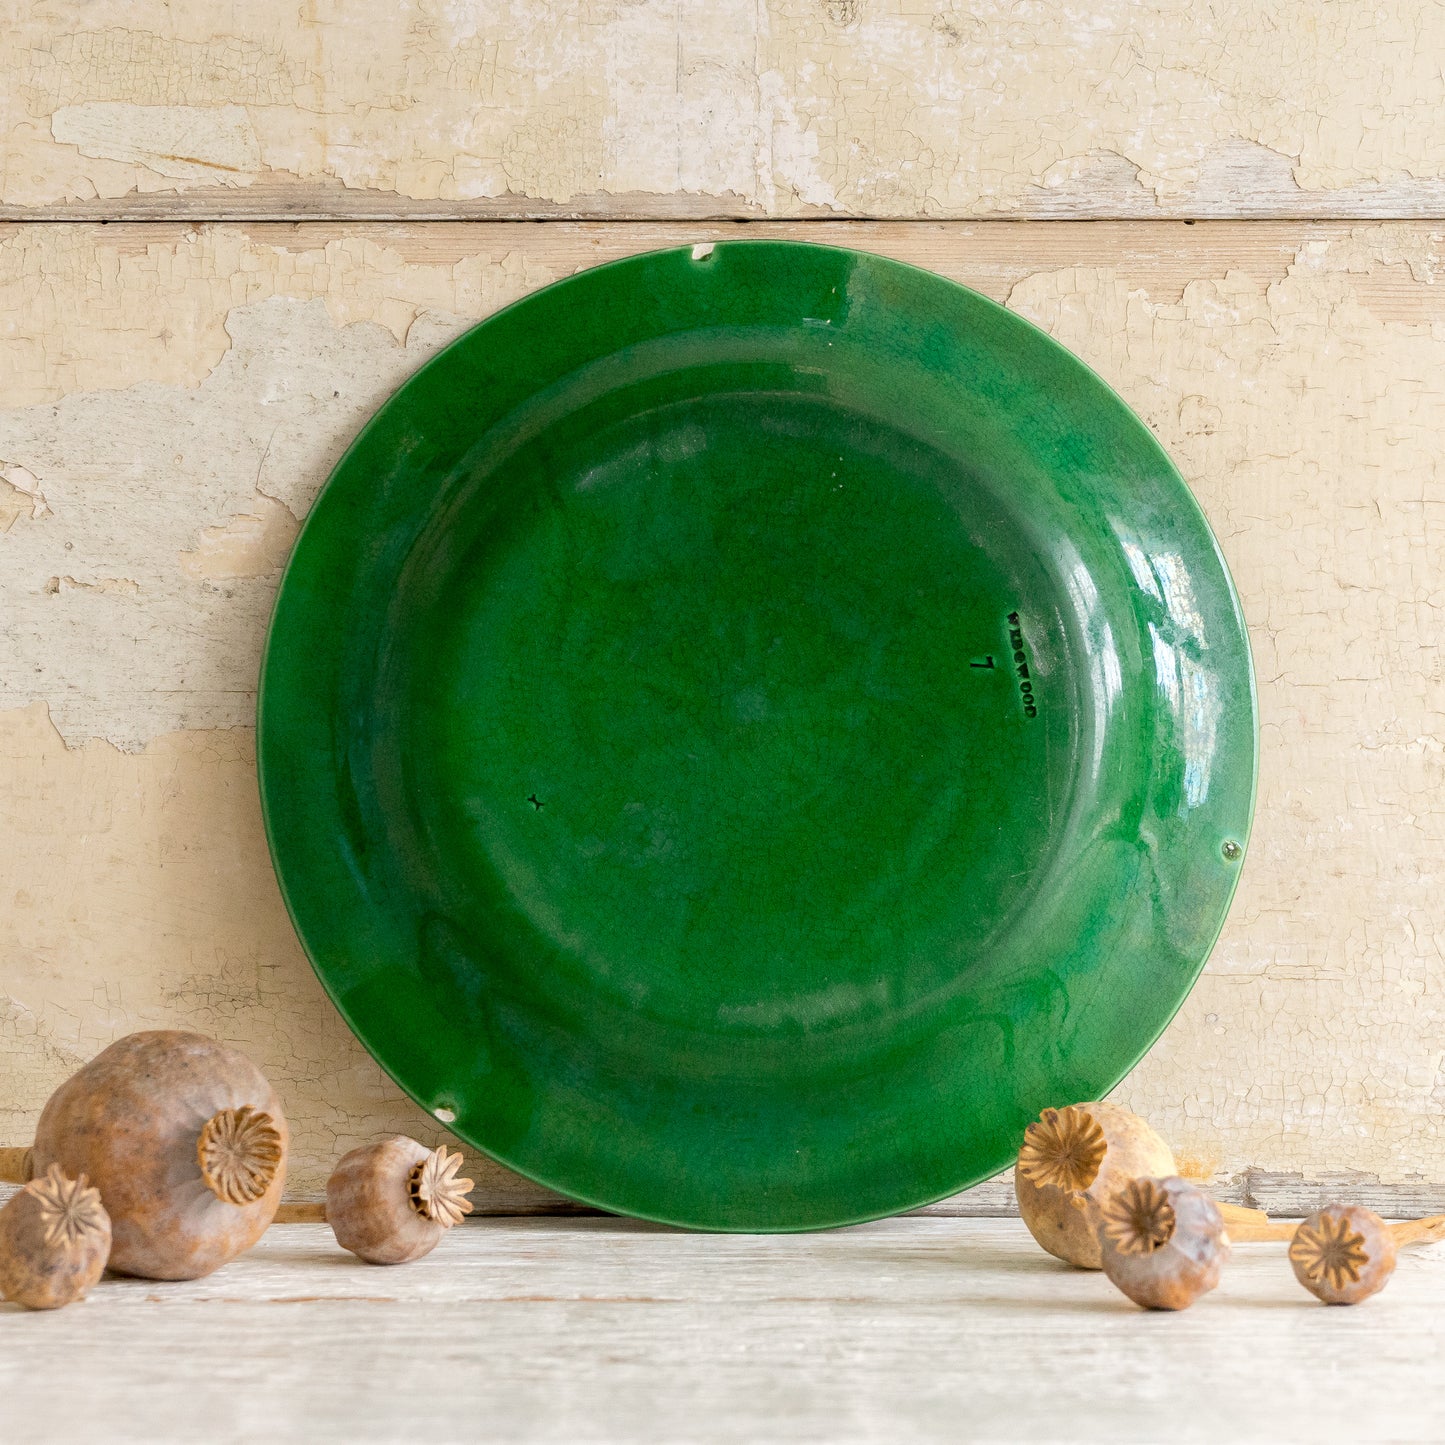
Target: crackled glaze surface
x,y
745,728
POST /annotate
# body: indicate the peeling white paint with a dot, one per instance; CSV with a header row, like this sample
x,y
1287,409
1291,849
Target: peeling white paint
x,y
152,306
146,484
250,544
201,144
114,586
24,499
876,107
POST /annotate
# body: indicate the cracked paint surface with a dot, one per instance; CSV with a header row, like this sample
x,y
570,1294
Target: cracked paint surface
x,y
880,107
153,591
251,544
251,405
153,305
1298,383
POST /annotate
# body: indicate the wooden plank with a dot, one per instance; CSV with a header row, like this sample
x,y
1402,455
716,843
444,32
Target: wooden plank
x,y
175,395
600,1331
1239,181
871,108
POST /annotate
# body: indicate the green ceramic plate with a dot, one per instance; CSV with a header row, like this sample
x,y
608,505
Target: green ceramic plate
x,y
744,728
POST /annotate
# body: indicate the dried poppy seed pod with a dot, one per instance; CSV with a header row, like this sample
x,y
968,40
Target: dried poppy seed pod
x,y
186,1142
54,1242
390,1203
1162,1242
1343,1254
1071,1161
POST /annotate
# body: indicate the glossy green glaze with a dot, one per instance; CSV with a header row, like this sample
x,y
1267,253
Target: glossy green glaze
x,y
744,732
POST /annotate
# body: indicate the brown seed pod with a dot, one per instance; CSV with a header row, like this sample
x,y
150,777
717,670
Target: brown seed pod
x,y
1162,1242
186,1142
54,1242
391,1202
1071,1161
1343,1254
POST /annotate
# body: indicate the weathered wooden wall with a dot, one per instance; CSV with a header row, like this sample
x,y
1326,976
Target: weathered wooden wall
x,y
173,391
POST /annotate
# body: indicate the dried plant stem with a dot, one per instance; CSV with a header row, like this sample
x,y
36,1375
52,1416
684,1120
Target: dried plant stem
x,y
1247,1232
300,1214
1236,1215
1408,1231
15,1164
1419,1231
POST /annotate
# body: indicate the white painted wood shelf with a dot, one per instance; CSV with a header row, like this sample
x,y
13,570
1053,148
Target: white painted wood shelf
x,y
603,1330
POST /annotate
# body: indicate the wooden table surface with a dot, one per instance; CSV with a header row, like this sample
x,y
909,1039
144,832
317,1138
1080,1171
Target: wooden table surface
x,y
606,1331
